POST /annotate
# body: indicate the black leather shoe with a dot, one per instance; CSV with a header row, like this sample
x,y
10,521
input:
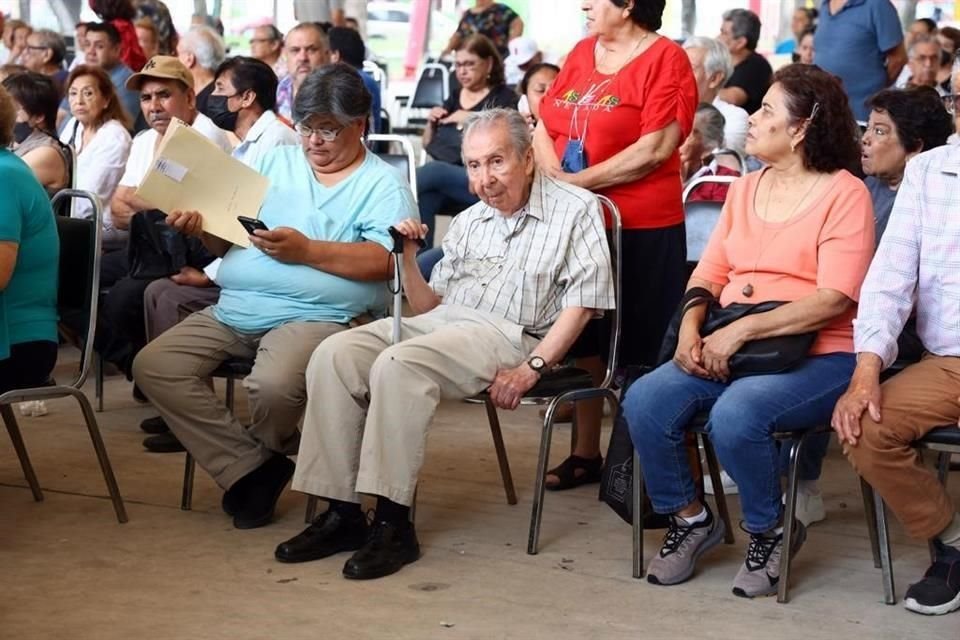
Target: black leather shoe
x,y
163,443
390,546
233,500
154,426
330,533
262,487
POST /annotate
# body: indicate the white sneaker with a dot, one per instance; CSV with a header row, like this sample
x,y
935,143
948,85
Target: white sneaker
x,y
35,408
729,486
810,507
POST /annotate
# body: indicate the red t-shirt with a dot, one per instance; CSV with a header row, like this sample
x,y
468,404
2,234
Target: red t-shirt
x,y
655,89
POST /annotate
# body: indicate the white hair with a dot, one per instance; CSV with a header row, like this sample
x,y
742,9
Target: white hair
x,y
207,45
923,38
517,127
717,58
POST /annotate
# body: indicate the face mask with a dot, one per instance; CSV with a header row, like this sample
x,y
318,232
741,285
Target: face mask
x,y
21,131
219,112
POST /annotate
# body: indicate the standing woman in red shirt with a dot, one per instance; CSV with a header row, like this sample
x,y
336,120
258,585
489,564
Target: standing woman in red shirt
x,y
120,14
612,123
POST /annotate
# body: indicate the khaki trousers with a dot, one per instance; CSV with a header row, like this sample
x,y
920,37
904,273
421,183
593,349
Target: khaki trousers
x,y
172,371
370,403
164,297
916,400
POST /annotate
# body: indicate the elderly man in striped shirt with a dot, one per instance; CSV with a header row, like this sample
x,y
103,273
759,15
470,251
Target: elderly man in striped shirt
x,y
523,272
917,264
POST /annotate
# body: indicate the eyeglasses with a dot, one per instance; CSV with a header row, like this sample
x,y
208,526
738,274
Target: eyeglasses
x,y
950,103
466,64
327,135
254,41
31,47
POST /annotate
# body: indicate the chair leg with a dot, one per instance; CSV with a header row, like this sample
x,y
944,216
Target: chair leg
x,y
539,481
189,469
98,381
639,499
883,543
10,419
786,555
713,468
943,472
91,419
870,513
311,512
497,434
230,393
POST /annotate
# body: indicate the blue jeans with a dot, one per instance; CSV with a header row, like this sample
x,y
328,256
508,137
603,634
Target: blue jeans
x,y
441,186
744,415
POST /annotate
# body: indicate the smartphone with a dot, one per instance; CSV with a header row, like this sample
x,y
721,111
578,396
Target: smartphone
x,y
252,224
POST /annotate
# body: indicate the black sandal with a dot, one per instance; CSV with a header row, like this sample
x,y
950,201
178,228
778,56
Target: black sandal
x,y
566,471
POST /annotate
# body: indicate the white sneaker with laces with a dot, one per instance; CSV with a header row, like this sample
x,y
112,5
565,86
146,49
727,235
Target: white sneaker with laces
x,y
810,506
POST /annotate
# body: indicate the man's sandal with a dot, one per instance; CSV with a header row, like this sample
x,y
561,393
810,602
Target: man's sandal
x,y
575,471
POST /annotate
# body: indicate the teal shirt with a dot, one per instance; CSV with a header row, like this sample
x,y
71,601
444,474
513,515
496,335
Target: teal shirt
x,y
28,306
259,293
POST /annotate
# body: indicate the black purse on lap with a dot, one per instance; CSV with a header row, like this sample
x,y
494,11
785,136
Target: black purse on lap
x,y
757,357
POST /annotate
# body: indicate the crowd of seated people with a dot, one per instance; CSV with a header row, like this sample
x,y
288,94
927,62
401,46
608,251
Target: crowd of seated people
x,y
856,268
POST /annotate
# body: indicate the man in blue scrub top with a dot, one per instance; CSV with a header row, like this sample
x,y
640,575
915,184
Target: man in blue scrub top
x,y
861,42
322,264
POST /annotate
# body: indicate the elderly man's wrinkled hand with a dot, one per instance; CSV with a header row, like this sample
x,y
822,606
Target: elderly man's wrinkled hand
x,y
860,396
413,232
189,223
510,385
283,244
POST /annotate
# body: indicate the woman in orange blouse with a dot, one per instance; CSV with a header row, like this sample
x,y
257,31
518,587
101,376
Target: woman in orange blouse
x,y
799,232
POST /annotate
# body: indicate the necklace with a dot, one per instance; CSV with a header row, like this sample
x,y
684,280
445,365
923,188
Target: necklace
x,y
748,289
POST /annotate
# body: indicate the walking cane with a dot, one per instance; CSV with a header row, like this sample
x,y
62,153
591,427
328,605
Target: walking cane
x,y
397,289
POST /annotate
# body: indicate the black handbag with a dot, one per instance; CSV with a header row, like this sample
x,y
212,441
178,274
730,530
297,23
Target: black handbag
x,y
757,357
156,250
446,144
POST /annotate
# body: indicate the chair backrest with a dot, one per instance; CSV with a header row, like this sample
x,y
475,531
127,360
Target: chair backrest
x,y
404,161
376,72
700,216
616,235
79,272
736,155
433,87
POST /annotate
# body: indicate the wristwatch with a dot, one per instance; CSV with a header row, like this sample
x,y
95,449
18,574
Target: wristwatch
x,y
537,363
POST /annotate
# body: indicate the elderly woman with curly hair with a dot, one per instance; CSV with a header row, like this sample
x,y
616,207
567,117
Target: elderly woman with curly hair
x,y
799,232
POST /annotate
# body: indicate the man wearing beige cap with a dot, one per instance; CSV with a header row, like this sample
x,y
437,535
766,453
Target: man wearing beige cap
x,y
166,92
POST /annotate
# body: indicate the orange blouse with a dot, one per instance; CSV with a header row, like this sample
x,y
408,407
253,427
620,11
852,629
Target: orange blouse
x,y
826,245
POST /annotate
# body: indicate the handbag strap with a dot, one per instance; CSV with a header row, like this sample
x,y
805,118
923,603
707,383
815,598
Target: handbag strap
x,y
695,297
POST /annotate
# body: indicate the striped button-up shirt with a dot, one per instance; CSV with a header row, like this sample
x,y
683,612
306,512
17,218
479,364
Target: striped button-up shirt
x,y
917,263
528,267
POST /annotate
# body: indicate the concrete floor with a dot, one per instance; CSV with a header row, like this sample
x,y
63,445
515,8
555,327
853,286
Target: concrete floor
x,y
68,570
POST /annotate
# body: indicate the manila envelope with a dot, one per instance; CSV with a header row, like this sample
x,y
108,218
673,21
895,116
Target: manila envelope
x,y
191,173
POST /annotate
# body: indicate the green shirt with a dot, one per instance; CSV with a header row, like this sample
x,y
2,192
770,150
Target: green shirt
x,y
28,305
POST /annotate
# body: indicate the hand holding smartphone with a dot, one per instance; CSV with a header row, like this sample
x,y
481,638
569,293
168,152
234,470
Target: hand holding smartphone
x,y
252,224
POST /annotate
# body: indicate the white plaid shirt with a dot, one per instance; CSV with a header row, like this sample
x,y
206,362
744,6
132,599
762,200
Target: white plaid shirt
x,y
551,255
917,263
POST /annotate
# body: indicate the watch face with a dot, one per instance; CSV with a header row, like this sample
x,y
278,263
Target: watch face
x,y
537,363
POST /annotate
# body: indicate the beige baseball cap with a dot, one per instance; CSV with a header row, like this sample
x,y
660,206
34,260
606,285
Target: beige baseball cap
x,y
164,68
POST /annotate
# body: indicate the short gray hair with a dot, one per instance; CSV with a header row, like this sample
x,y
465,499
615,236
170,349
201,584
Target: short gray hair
x,y
716,59
516,125
923,38
53,41
207,45
744,24
710,123
335,90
